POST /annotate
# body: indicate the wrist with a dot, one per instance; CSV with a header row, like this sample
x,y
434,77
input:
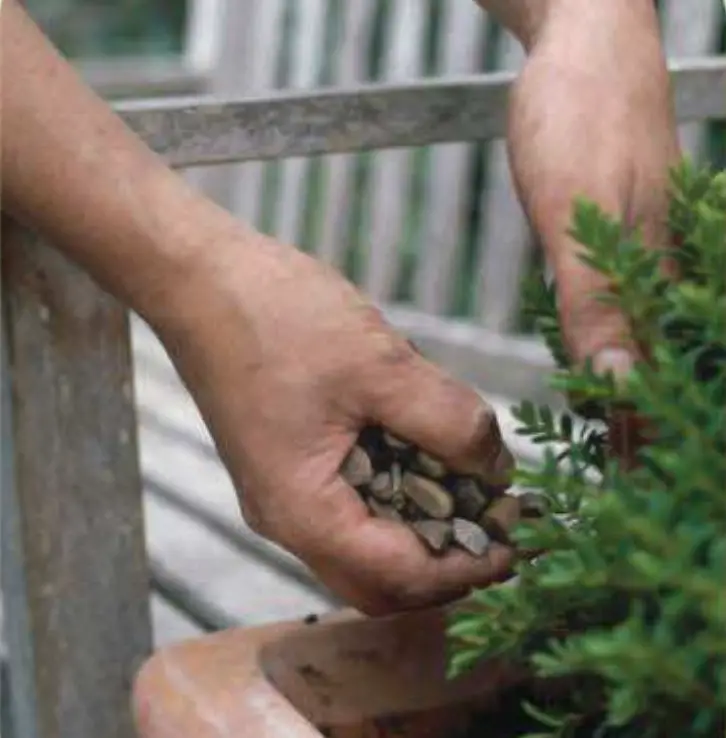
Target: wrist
x,y
522,18
594,21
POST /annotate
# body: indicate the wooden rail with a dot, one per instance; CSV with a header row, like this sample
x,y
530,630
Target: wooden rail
x,y
195,132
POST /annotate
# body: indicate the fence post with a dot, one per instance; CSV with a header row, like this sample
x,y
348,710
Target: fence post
x,y
79,608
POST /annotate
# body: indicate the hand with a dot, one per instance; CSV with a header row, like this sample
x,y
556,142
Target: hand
x,y
591,115
287,362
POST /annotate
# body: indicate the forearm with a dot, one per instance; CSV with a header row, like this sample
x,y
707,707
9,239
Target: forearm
x,y
73,169
526,19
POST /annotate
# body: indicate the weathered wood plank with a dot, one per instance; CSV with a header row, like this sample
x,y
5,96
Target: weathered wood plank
x,y
505,241
195,132
461,40
257,71
19,698
308,45
240,40
78,488
350,56
391,171
691,30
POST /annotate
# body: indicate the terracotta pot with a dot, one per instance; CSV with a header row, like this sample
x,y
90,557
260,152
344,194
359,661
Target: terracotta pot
x,y
345,676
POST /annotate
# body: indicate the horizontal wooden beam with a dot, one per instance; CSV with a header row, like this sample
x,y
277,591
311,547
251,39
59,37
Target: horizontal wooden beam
x,y
199,131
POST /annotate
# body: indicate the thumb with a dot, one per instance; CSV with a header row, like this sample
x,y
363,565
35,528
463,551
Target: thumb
x,y
450,420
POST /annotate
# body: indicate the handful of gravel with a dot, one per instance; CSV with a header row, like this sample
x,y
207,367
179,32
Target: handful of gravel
x,y
402,483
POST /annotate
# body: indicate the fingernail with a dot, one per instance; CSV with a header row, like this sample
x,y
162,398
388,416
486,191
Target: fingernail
x,y
615,361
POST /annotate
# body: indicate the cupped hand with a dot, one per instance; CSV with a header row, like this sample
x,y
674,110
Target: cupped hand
x,y
591,115
287,362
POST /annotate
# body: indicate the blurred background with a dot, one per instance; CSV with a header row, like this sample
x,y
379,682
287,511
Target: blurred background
x,y
133,48
434,230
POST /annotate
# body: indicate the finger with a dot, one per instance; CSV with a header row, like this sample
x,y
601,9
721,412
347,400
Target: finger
x,y
422,404
381,566
591,329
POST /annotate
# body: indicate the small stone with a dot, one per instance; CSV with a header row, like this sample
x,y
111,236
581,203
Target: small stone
x,y
430,466
500,516
381,487
431,497
436,534
394,442
470,536
532,505
396,477
469,500
357,469
381,510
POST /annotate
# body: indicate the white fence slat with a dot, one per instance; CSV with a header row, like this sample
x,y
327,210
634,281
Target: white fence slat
x,y
505,238
261,66
461,38
391,171
337,169
691,29
308,46
203,34
241,41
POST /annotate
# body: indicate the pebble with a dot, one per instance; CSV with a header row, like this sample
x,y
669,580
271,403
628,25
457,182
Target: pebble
x,y
469,500
470,536
394,442
500,516
430,466
357,468
381,510
436,534
381,487
431,497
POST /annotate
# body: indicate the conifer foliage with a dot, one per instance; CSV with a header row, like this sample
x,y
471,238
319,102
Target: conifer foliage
x,y
629,598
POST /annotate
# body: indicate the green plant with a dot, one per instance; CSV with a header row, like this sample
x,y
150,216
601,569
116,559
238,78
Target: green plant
x,y
629,600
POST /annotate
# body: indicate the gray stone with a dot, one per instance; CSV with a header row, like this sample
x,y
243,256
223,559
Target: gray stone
x,y
436,534
381,487
470,536
431,497
357,469
394,442
381,510
500,516
430,466
469,499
